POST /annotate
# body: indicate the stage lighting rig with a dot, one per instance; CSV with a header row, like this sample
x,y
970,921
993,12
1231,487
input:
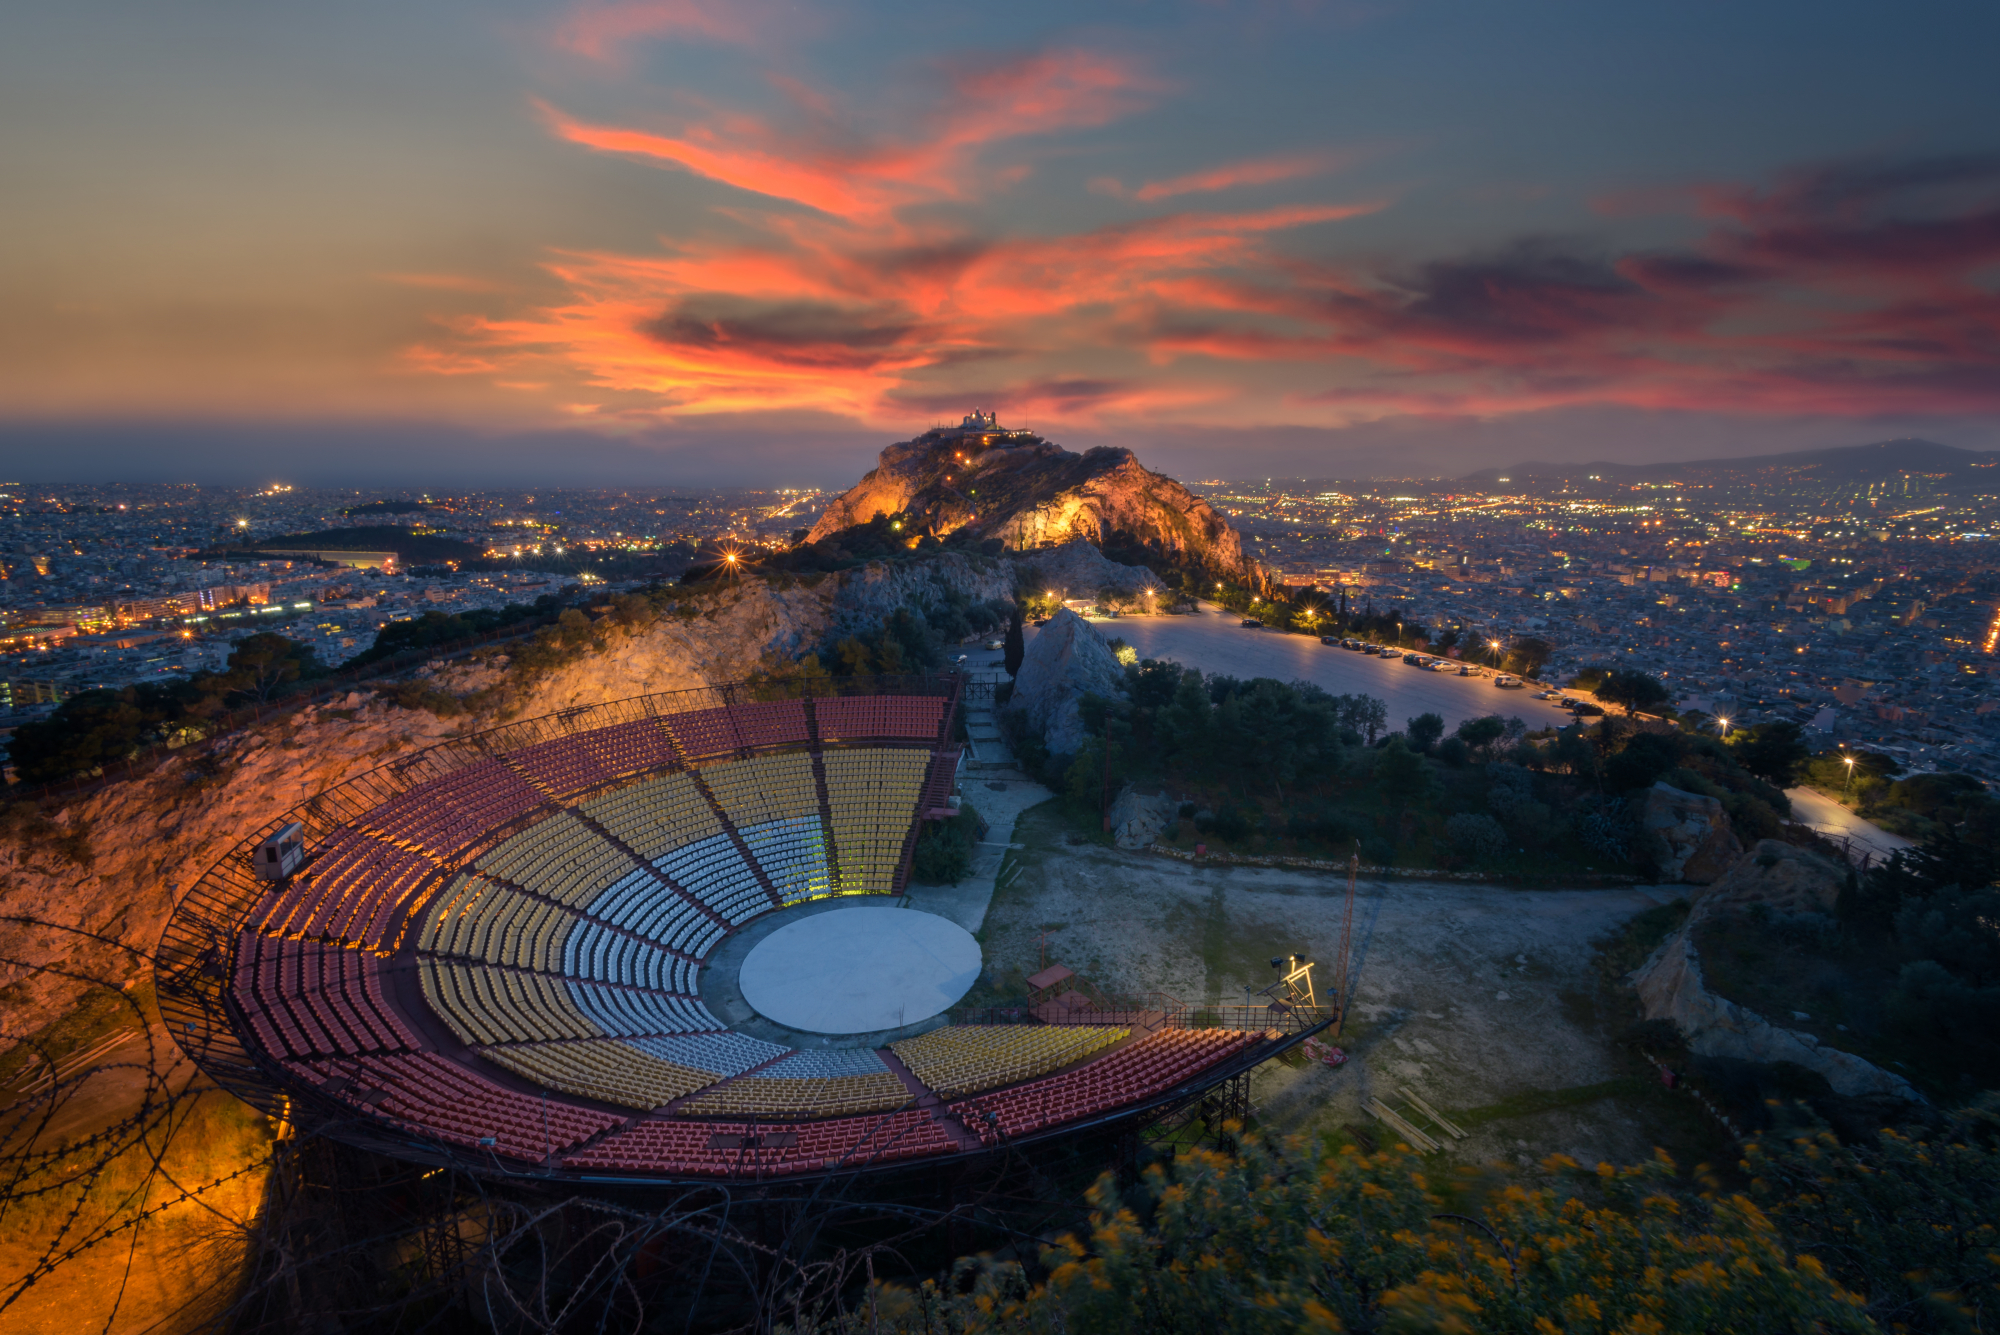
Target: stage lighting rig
x,y
1292,991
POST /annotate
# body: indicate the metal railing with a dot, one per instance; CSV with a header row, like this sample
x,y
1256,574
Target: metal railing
x,y
1154,1010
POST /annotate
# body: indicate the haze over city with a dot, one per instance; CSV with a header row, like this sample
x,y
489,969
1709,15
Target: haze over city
x,y
621,242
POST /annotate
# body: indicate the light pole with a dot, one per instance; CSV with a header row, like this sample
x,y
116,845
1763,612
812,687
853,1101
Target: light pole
x,y
1849,785
1723,724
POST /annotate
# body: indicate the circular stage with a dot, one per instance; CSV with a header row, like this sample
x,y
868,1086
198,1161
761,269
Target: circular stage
x,y
860,970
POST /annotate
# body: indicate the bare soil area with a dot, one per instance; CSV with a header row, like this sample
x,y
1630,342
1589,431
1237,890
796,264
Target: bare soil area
x,y
1482,1000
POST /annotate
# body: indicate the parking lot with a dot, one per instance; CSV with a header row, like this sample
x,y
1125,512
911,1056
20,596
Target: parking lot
x,y
1215,641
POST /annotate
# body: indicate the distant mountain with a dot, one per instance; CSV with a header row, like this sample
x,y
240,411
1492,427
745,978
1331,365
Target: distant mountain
x,y
1846,463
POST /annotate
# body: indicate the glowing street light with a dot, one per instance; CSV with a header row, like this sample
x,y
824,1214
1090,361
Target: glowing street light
x,y
1724,723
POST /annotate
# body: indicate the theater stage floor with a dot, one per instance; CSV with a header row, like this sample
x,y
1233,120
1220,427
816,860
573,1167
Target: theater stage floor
x,y
861,969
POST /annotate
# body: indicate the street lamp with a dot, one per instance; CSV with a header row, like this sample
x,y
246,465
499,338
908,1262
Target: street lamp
x,y
1849,762
1723,723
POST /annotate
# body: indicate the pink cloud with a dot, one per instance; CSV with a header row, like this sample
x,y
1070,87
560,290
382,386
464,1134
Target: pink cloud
x,y
1256,171
827,167
600,28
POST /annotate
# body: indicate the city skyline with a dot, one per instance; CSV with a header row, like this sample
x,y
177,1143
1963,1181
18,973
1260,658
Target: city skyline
x,y
648,242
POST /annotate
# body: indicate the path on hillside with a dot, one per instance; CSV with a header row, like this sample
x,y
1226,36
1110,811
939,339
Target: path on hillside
x,y
1216,642
1836,822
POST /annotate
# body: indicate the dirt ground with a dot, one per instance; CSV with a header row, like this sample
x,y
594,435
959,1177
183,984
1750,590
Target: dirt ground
x,y
1479,998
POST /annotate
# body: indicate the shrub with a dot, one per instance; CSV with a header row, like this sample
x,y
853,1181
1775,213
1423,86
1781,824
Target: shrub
x,y
1475,835
943,854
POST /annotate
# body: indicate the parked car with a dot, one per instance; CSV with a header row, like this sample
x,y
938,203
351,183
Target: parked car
x,y
1352,644
1041,621
1507,683
1468,670
1252,623
996,644
1414,659
1329,639
1389,651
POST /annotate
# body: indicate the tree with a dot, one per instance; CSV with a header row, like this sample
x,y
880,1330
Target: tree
x,y
1633,689
262,663
1399,773
1526,655
1906,1219
1364,714
1482,732
1017,645
1424,730
1292,1236
1772,751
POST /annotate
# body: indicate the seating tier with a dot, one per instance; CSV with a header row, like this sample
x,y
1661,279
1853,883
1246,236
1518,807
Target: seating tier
x,y
714,872
872,798
611,1072
962,1059
863,718
657,814
767,788
474,918
351,892
1153,1065
305,998
560,857
438,1099
442,816
706,1148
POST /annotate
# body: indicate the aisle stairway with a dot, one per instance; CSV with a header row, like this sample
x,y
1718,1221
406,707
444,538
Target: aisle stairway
x,y
929,1102
982,730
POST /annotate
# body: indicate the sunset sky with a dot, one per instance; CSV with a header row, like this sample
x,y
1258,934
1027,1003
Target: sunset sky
x,y
442,243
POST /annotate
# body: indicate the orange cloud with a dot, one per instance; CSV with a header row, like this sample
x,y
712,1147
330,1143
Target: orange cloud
x,y
828,168
1257,171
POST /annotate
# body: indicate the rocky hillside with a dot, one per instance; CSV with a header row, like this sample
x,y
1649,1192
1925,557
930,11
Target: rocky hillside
x,y
150,838
1029,492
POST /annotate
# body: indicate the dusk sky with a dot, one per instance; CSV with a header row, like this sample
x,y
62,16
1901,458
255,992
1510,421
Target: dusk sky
x,y
742,242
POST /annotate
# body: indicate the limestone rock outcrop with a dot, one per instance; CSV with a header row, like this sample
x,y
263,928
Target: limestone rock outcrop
x,y
1785,877
1137,818
1066,661
1691,838
1671,987
1080,570
1028,492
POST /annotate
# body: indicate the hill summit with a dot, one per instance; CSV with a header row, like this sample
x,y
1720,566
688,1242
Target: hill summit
x,y
985,481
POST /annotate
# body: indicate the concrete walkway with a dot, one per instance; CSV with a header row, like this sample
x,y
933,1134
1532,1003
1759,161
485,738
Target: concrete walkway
x,y
1837,823
1000,796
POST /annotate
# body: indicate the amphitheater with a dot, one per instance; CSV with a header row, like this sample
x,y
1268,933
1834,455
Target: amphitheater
x,y
508,953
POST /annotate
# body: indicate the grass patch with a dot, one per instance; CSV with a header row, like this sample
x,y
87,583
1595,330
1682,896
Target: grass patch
x,y
1530,1102
1625,949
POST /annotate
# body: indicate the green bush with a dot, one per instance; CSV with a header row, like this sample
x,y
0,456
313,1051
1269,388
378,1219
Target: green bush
x,y
944,849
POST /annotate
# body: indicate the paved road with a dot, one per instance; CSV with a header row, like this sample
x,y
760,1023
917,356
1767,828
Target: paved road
x,y
1838,823
1216,642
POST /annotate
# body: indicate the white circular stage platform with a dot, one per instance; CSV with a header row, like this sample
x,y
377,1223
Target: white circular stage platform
x,y
860,970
